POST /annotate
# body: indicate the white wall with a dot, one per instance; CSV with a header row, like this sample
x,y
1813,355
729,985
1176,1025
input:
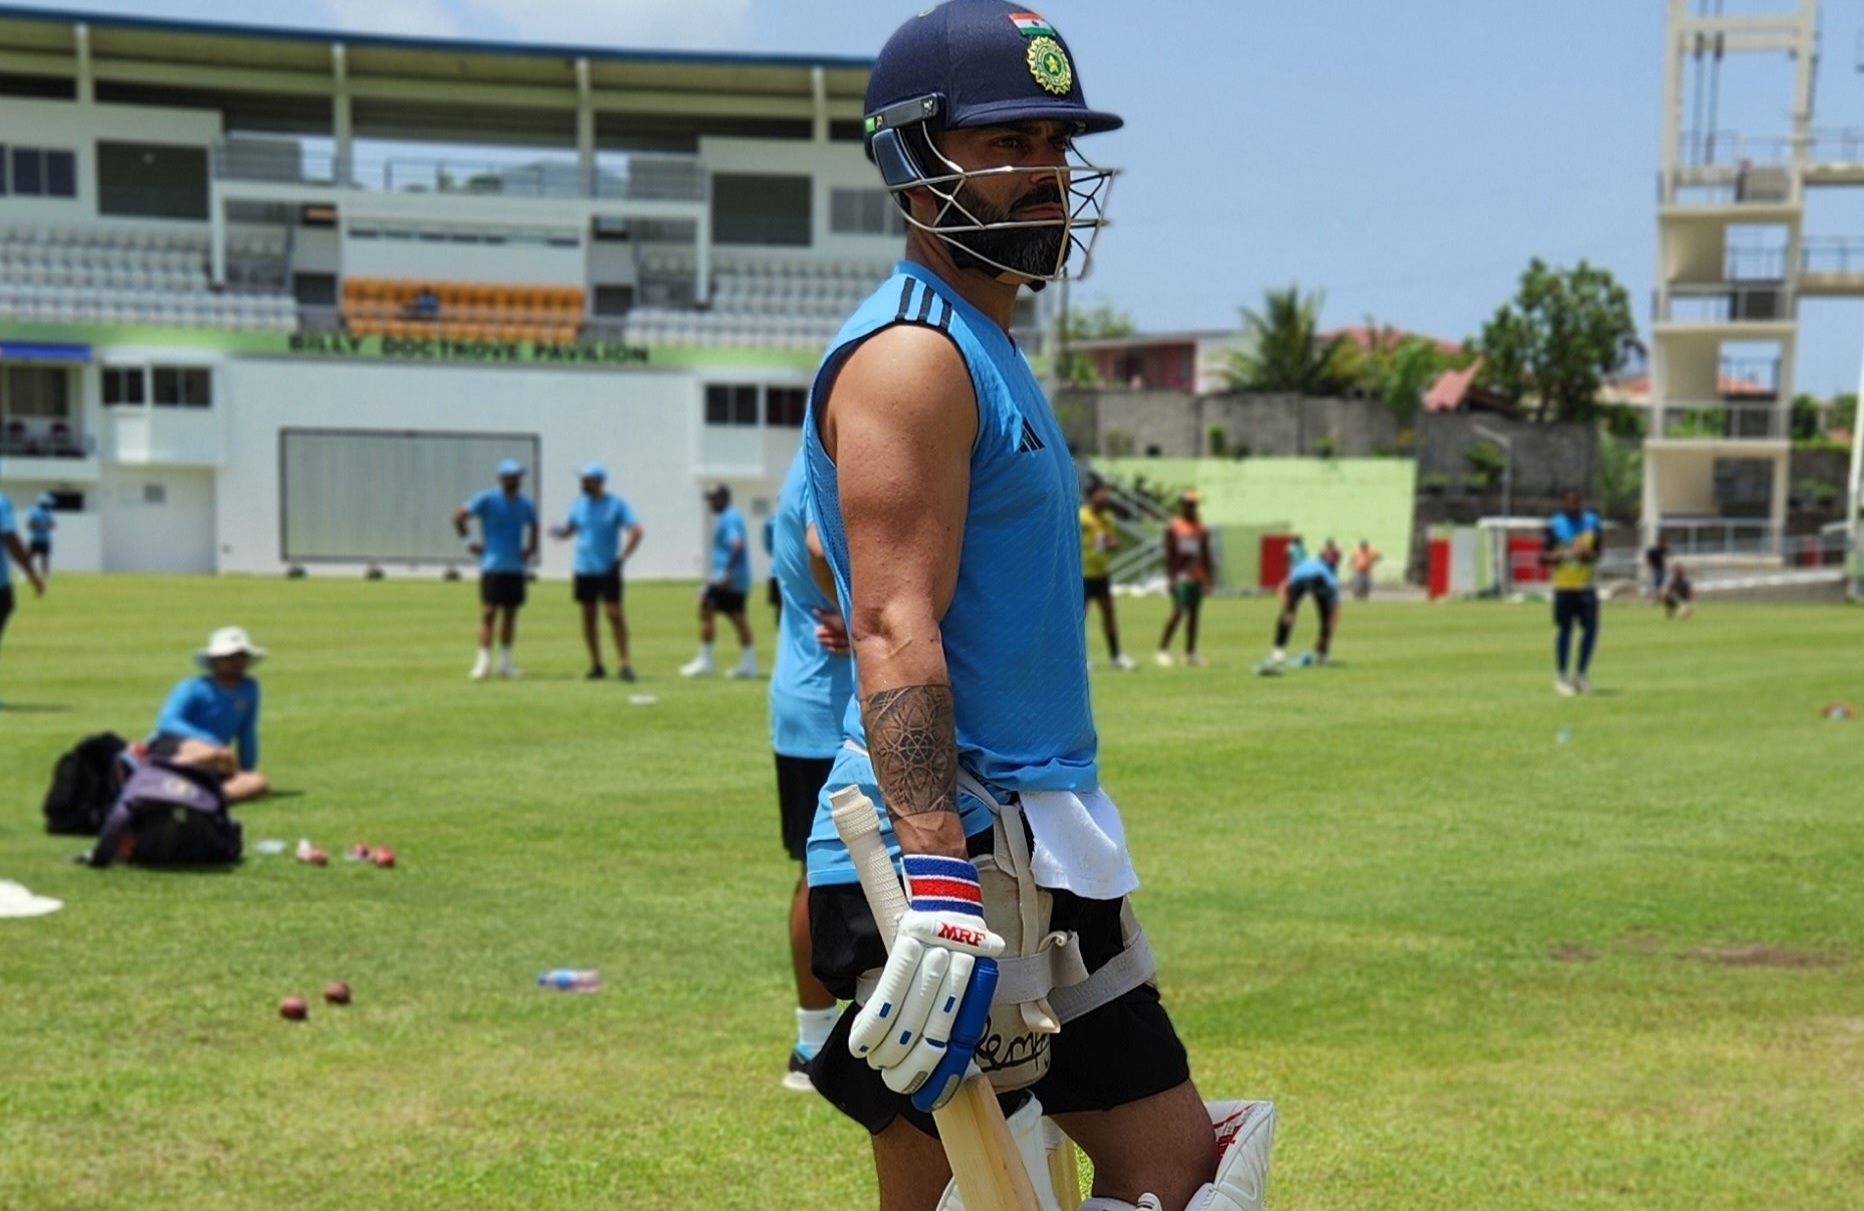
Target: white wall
x,y
642,425
528,264
69,126
174,534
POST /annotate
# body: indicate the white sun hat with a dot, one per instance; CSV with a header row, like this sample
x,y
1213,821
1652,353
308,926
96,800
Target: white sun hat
x,y
228,641
16,901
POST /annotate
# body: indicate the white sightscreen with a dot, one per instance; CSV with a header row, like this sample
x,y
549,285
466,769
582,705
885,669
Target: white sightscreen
x,y
355,495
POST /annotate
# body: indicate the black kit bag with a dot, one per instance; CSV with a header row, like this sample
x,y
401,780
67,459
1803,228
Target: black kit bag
x,y
170,815
85,784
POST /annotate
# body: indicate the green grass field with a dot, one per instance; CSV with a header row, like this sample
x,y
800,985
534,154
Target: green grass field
x,y
1476,966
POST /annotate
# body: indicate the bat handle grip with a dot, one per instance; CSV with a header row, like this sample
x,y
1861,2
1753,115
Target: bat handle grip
x,y
857,821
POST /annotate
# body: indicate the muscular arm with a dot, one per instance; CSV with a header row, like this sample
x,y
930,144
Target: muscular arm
x,y
899,424
459,520
635,534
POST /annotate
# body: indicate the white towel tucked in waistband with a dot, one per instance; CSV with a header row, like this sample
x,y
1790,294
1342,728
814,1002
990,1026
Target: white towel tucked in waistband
x,y
1080,844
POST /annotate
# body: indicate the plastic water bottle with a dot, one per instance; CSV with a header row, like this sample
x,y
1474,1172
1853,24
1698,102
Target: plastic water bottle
x,y
571,979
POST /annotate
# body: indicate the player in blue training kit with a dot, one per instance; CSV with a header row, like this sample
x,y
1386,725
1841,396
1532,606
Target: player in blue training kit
x,y
727,589
811,683
506,546
598,519
1316,576
213,720
39,526
945,498
1570,549
11,546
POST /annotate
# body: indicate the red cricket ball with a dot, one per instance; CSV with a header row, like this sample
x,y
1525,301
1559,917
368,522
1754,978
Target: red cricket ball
x,y
337,992
383,857
293,1009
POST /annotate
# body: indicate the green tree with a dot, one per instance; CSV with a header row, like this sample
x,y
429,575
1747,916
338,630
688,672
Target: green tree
x,y
1557,339
1281,349
1845,411
1621,475
1803,420
1087,324
1397,369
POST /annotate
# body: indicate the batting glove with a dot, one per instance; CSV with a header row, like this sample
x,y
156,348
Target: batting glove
x,y
927,1014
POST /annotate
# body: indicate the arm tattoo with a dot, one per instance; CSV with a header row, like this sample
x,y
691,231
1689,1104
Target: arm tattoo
x,y
912,737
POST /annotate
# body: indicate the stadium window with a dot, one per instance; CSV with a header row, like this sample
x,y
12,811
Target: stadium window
x,y
153,180
61,174
3,172
784,406
124,386
732,405
765,210
182,387
36,392
864,212
28,172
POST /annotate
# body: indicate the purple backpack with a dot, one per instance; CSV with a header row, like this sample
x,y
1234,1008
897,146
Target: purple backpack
x,y
169,815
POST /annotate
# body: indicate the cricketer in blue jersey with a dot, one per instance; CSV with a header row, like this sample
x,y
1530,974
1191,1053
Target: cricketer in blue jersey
x,y
1570,550
12,551
39,526
599,520
945,498
1315,576
811,684
725,590
213,720
506,546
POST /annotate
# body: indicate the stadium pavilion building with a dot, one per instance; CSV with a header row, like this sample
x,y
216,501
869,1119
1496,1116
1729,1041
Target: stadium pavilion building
x,y
276,297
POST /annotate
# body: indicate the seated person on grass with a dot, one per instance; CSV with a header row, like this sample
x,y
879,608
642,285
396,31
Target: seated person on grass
x,y
205,717
1679,598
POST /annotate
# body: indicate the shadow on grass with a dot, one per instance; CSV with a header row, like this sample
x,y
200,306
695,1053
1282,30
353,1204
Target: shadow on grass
x,y
36,708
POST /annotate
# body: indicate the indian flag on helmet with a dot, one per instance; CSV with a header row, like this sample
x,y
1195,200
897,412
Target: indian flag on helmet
x,y
1031,25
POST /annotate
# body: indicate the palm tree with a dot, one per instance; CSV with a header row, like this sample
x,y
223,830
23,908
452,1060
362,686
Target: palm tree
x,y
1281,349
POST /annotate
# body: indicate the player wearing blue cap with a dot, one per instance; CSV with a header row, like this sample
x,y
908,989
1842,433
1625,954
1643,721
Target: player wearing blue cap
x,y
597,520
39,526
811,681
10,545
726,590
945,497
506,545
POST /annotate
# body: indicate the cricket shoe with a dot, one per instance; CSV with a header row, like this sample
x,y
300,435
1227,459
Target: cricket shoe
x,y
797,1078
1162,658
1268,667
699,666
627,673
741,672
1583,684
1565,688
1193,661
596,673
1125,663
479,671
511,672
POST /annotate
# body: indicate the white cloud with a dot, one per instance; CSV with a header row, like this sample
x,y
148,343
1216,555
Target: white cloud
x,y
633,24
412,18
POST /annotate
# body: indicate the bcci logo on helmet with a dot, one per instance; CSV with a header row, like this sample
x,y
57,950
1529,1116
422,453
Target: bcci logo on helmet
x,y
1048,63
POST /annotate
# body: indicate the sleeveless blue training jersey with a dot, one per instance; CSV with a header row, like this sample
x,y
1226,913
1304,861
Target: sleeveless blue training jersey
x,y
1014,645
809,688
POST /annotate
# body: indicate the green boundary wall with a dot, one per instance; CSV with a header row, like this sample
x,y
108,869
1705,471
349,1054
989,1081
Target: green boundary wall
x,y
1345,499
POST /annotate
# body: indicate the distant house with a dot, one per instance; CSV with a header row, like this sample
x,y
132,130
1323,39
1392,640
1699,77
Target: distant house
x,y
1161,361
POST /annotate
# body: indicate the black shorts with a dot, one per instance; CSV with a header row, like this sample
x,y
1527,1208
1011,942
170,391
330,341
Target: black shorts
x,y
1119,1053
502,589
1324,597
39,546
773,594
6,602
725,601
1576,605
165,746
602,586
799,783
1096,588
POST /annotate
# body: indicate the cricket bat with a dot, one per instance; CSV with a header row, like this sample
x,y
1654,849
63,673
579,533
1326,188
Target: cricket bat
x,y
978,1146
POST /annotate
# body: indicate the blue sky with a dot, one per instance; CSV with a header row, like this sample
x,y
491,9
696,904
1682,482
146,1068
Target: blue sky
x,y
1406,158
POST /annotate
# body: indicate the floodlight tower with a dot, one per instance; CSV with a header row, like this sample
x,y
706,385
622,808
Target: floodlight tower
x,y
1706,414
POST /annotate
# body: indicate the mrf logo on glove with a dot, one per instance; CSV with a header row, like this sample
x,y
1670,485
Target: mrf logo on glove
x,y
927,1014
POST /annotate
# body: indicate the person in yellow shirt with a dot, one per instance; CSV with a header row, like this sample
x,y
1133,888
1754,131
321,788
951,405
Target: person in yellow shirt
x,y
1570,549
1099,540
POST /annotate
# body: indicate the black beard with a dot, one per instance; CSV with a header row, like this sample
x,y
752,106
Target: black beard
x,y
1033,252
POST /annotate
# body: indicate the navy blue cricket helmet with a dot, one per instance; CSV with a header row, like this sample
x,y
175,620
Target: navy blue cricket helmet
x,y
981,63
